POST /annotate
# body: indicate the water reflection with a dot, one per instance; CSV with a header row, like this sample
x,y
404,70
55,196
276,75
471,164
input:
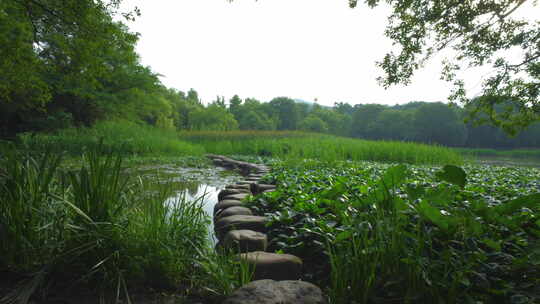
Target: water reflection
x,y
207,195
190,184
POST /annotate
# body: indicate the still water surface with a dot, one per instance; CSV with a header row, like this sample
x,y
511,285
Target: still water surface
x,y
194,184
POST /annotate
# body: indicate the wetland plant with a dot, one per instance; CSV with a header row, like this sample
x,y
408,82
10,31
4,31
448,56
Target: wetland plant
x,y
92,228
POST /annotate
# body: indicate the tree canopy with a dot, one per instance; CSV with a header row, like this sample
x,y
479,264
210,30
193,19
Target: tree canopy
x,y
479,32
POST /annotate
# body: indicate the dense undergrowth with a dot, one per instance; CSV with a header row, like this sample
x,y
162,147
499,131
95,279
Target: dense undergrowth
x,y
99,230
367,232
372,233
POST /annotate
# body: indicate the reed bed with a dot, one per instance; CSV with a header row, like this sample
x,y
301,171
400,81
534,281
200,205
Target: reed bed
x,y
96,228
297,145
123,137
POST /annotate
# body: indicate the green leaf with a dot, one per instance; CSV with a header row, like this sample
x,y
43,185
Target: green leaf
x,y
343,235
433,214
394,176
495,245
415,191
454,175
441,196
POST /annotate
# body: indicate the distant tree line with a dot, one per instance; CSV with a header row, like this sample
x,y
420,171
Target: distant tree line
x,y
71,63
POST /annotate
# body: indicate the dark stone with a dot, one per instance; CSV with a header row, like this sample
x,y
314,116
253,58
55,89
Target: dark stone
x,y
224,204
239,186
223,193
274,292
259,188
274,266
238,196
245,240
239,222
235,210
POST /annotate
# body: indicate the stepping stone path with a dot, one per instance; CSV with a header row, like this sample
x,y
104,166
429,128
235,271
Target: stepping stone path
x,y
223,193
235,210
245,240
224,204
260,188
277,292
237,229
239,187
274,266
238,196
234,222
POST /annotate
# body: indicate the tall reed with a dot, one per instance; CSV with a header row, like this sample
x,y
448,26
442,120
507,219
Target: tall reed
x,y
95,227
123,137
296,145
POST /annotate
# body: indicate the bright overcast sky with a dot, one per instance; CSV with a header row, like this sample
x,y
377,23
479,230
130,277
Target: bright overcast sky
x,y
306,49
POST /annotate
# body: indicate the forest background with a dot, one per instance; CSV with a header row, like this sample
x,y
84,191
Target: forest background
x,y
68,64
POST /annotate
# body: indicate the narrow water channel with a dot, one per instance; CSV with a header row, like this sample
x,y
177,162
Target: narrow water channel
x,y
207,195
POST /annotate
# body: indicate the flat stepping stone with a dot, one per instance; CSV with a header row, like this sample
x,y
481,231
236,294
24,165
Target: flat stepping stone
x,y
223,193
239,222
255,175
259,188
217,162
235,210
277,292
245,240
239,186
273,266
238,196
224,204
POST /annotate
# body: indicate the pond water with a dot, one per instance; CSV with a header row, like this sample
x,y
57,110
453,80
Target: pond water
x,y
193,184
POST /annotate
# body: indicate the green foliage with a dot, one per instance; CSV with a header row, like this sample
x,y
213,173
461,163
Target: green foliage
x,y
514,154
120,136
95,227
296,146
224,272
438,123
377,233
213,117
313,123
362,117
285,110
454,175
70,57
480,32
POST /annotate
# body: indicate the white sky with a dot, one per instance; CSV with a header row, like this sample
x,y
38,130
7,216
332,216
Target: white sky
x,y
303,49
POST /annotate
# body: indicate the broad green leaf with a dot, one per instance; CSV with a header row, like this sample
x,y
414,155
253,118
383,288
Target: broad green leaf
x,y
440,196
415,191
394,176
433,214
454,175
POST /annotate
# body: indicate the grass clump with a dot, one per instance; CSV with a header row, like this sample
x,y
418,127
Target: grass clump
x,y
94,228
123,137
